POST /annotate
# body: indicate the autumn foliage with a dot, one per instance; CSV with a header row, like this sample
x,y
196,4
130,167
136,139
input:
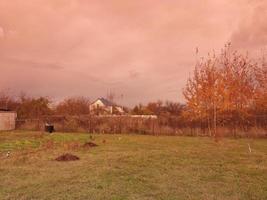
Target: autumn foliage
x,y
227,90
225,95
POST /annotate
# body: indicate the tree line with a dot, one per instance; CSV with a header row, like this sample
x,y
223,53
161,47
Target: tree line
x,y
28,107
226,90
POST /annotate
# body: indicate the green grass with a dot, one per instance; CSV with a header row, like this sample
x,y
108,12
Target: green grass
x,y
132,167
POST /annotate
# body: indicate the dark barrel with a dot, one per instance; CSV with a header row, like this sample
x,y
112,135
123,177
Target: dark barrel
x,y
49,128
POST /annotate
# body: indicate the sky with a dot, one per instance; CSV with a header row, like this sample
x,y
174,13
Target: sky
x,y
142,50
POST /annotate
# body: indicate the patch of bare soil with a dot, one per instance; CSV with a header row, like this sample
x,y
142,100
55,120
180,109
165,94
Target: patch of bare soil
x,y
89,145
67,157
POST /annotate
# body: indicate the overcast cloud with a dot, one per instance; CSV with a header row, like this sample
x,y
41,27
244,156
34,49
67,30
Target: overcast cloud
x,y
143,49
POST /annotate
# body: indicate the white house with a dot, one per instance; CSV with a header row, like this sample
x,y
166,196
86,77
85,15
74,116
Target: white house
x,y
102,104
7,120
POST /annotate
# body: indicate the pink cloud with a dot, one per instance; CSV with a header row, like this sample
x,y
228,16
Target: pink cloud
x,y
142,49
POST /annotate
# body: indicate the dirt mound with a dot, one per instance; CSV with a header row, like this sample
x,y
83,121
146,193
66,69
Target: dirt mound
x,y
67,157
90,144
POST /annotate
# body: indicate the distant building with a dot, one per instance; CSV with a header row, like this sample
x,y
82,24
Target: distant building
x,y
104,106
7,120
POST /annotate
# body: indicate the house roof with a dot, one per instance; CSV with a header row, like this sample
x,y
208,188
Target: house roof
x,y
105,102
4,109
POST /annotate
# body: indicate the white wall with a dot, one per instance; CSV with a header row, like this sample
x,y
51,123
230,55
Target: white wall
x,y
96,104
7,121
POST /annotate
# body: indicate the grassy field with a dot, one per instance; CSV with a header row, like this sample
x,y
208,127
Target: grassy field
x,y
131,167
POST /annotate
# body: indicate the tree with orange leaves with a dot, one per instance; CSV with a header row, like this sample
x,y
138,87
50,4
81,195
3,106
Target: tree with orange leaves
x,y
202,93
222,85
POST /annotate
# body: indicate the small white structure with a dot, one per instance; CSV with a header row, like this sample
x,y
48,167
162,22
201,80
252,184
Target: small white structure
x,y
7,120
102,104
145,116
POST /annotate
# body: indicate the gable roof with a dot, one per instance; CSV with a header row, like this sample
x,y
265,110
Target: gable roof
x,y
4,109
105,102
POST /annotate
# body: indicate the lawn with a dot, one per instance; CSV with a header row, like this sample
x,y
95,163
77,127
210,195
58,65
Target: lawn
x,y
131,167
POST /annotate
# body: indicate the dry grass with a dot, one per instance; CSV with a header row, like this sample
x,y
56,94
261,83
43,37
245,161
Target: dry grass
x,y
131,167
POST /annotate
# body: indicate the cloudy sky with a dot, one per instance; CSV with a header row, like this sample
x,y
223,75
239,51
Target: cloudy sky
x,y
143,49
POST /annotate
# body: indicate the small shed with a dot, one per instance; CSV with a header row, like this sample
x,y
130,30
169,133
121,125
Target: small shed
x,y
7,120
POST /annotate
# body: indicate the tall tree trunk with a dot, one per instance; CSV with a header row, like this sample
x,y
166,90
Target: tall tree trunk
x,y
215,122
209,126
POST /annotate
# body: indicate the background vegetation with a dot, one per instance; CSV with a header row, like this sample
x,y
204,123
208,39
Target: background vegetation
x,y
226,95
